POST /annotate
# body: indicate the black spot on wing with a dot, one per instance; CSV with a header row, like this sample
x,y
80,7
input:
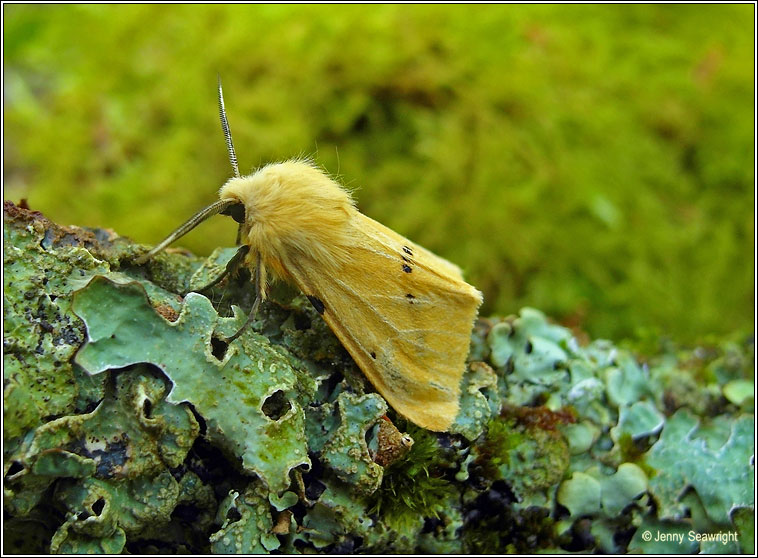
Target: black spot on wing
x,y
407,250
407,268
317,303
373,355
410,298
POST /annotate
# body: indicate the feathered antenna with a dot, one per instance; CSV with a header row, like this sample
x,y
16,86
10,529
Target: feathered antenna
x,y
227,132
219,207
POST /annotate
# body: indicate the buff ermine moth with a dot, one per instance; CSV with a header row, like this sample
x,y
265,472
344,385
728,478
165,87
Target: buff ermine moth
x,y
404,314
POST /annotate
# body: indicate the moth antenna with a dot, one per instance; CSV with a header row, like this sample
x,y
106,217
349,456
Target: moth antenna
x,y
227,131
217,207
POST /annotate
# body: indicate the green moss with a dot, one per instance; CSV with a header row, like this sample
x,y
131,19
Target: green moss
x,y
502,436
454,125
413,488
527,456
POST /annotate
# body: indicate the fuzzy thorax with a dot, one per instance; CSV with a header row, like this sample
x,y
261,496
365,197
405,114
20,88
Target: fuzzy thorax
x,y
292,210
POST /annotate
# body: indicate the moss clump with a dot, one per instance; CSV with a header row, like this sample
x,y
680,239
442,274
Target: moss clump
x,y
443,116
523,448
414,487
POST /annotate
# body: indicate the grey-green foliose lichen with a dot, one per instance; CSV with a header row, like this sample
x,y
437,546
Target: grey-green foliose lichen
x,y
130,426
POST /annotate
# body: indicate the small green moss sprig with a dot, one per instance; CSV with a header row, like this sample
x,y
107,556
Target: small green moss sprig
x,y
412,488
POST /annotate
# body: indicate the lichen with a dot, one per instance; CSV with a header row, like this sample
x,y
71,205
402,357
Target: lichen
x,y
346,451
715,459
528,454
229,391
152,435
131,426
245,524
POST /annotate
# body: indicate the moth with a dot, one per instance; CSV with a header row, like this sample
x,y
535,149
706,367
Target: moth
x,y
404,314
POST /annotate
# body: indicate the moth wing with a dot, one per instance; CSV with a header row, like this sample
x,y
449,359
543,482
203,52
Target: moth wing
x,y
405,316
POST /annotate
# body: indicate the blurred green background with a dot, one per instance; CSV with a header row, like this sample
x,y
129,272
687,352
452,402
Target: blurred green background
x,y
593,161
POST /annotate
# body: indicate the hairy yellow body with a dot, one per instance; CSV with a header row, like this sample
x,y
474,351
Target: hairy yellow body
x,y
404,314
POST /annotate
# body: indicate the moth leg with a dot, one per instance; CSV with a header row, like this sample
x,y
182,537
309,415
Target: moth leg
x,y
259,286
239,235
231,266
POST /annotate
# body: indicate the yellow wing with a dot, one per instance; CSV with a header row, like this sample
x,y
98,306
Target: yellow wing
x,y
404,315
